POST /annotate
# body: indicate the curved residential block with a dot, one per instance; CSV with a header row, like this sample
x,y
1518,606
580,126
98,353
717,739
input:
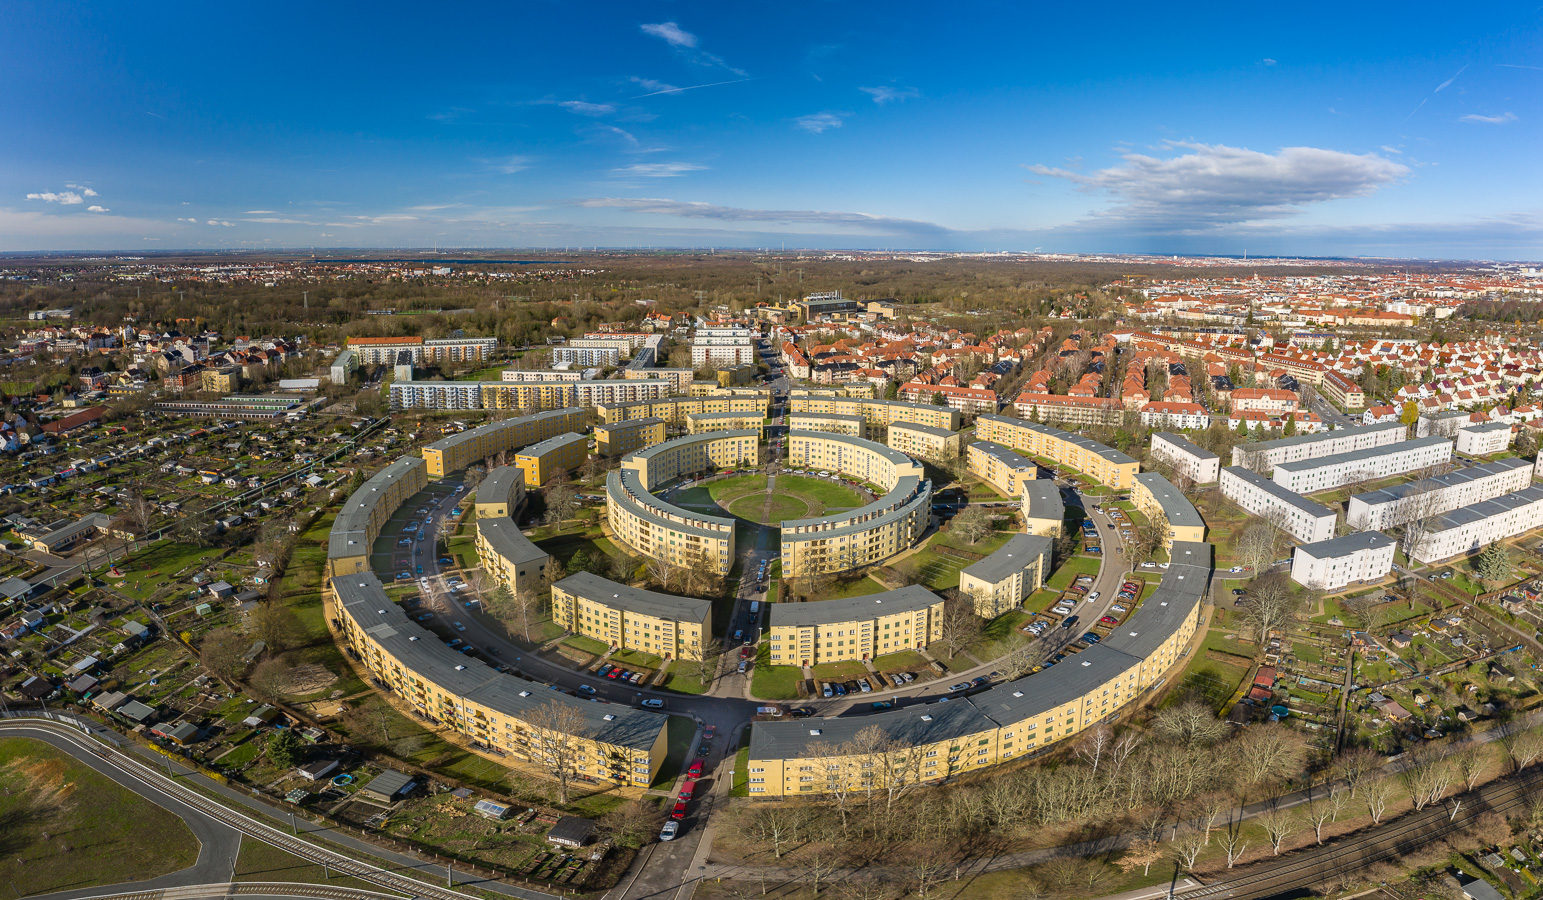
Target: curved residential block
x,y
660,530
358,525
502,713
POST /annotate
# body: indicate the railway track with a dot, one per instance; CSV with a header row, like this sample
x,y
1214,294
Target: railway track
x,y
1402,836
393,882
258,888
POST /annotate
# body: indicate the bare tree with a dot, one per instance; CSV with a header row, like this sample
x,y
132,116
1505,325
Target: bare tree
x,y
1377,792
1187,846
818,867
928,864
223,652
276,625
1278,824
1256,547
1141,852
1232,841
630,824
1190,723
1319,813
561,499
558,743
1418,513
959,626
1151,536
1020,661
1356,765
1270,606
973,524
1524,746
776,826
515,608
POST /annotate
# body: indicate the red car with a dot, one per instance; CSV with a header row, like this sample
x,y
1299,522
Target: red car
x,y
686,790
679,812
696,768
1108,620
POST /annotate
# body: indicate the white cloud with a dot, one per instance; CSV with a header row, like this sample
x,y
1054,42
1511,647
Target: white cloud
x,y
82,188
1215,185
658,170
274,220
508,165
882,94
261,212
671,34
221,222
88,192
862,222
97,209
819,123
193,221
63,198
584,108
1268,61
652,86
1502,119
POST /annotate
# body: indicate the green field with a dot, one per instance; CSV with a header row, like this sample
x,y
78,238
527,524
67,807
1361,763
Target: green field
x,y
258,861
746,497
67,827
768,509
143,573
1064,576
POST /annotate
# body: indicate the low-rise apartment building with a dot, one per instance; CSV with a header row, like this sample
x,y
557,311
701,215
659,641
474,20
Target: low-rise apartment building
x,y
877,412
674,410
1394,506
702,423
1357,466
1000,467
456,452
509,556
1188,459
1298,516
625,437
850,425
663,531
925,441
629,618
358,524
1154,495
1337,563
1263,456
854,628
1470,528
693,453
1268,400
1103,464
1044,512
1002,581
1484,440
588,357
542,461
501,494
385,350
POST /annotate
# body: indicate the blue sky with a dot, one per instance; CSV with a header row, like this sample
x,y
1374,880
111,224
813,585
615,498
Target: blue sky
x,y
1314,129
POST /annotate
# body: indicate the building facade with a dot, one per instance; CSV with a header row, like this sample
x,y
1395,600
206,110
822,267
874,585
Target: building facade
x,y
501,493
543,460
628,618
625,437
1188,459
1104,464
856,628
1356,466
925,441
1301,518
1484,440
1337,563
358,524
456,452
1154,495
1002,581
850,425
1264,456
1004,470
509,557
1394,506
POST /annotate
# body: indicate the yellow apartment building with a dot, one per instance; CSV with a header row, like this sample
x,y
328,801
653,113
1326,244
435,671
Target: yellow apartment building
x,y
878,412
850,425
701,423
854,628
625,437
509,556
1004,470
925,441
366,510
501,494
1002,581
629,618
540,461
1153,495
1103,464
456,452
663,531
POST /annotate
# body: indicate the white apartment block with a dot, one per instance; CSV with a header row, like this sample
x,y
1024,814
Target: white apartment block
x,y
1339,562
1266,455
1301,518
722,346
1472,527
612,392
563,374
436,395
1444,424
1483,440
587,356
1328,472
1391,507
1186,457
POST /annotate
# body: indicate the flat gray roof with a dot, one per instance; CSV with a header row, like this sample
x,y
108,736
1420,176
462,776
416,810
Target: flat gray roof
x,y
364,600
348,534
1176,507
1174,602
1012,557
1486,508
1187,445
499,484
1004,455
609,593
1487,426
551,443
914,725
834,416
504,535
494,427
1450,479
933,430
1345,544
655,450
636,423
1354,456
894,456
1044,499
825,612
1316,438
1290,498
627,488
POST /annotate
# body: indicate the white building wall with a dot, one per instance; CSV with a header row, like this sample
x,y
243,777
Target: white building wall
x,y
1484,440
1264,498
1185,462
1337,473
1334,572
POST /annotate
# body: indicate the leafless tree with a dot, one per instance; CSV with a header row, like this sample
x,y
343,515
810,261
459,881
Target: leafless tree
x,y
1270,606
1265,753
515,608
223,652
1377,792
1151,536
1256,547
928,864
1318,813
1524,746
1190,723
1471,761
1356,765
558,742
1021,660
818,867
1232,841
776,826
561,499
1278,824
661,570
630,824
1141,852
1187,846
973,524
959,626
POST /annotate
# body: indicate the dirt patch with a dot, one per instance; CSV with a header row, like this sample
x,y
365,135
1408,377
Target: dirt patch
x,y
308,679
45,779
1228,659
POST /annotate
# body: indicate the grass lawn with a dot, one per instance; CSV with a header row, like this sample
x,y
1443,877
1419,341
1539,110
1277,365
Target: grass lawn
x,y
145,570
1217,679
846,669
773,508
769,682
859,588
683,684
100,833
741,786
832,494
637,659
1040,600
904,661
1077,565
259,861
586,644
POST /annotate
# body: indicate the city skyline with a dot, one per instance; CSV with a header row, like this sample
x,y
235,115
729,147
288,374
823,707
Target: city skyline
x,y
1332,132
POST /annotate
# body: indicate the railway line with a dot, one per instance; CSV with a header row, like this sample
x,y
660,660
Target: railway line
x,y
250,888
1399,837
394,882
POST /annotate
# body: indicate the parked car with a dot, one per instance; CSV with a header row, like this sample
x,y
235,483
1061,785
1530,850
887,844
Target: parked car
x,y
696,767
1061,610
744,664
826,691
882,704
961,686
686,790
586,689
653,703
679,812
670,829
864,686
1108,620
459,626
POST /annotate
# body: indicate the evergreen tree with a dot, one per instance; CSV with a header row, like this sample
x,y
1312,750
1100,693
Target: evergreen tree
x,y
1494,564
285,748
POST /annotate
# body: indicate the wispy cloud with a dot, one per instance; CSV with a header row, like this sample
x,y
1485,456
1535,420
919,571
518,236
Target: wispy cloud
x,y
275,220
63,198
1518,66
820,122
508,165
670,89
1210,186
97,209
884,94
658,170
653,86
851,221
1502,119
82,188
190,221
585,108
261,212
686,42
1268,62
1439,88
221,222
671,34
